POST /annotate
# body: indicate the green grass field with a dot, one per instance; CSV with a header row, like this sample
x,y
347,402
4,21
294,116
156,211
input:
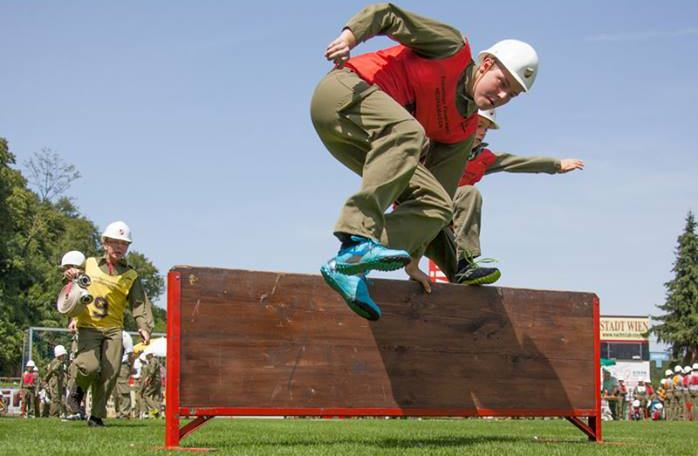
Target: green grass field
x,y
355,437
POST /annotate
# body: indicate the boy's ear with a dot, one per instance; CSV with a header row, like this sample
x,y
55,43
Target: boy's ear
x,y
486,64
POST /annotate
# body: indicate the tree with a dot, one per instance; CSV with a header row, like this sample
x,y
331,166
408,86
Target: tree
x,y
679,325
35,232
49,174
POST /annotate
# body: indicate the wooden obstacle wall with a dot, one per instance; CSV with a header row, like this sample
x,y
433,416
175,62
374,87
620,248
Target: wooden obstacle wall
x,y
266,343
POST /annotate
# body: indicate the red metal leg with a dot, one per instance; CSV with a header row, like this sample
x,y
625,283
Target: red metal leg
x,y
193,425
589,429
172,433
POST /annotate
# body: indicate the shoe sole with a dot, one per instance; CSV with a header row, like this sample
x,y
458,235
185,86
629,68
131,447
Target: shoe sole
x,y
361,309
492,278
386,264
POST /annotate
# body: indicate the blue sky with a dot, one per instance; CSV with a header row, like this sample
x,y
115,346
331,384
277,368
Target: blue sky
x,y
190,121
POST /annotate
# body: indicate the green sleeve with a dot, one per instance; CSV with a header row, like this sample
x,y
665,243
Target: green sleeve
x,y
425,36
50,370
516,164
141,308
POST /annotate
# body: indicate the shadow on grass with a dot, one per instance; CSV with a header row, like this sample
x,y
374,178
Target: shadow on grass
x,y
385,443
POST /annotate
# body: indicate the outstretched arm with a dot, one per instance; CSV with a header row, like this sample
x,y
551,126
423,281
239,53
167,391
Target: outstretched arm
x,y
511,163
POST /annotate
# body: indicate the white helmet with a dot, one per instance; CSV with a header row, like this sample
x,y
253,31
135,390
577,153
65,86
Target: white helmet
x,y
73,258
59,350
678,369
36,369
668,372
490,115
687,370
621,379
30,363
117,230
519,58
695,367
659,406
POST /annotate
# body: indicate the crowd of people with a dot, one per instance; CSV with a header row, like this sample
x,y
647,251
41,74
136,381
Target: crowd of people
x,y
137,392
675,398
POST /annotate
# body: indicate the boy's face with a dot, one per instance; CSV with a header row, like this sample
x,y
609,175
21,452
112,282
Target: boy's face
x,y
494,86
481,131
115,249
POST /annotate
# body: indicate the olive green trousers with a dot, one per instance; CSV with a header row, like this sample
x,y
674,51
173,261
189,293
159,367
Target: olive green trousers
x,y
374,136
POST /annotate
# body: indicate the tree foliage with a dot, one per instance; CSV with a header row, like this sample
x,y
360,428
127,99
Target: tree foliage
x,y
679,323
35,232
49,174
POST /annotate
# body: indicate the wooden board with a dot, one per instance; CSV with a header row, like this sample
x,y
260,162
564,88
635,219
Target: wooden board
x,y
275,340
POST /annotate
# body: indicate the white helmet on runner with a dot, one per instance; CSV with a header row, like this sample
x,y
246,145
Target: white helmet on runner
x,y
519,58
73,258
31,364
695,367
490,115
687,369
668,372
678,369
59,350
117,230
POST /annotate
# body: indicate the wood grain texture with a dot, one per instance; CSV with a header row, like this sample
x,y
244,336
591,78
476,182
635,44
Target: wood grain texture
x,y
277,340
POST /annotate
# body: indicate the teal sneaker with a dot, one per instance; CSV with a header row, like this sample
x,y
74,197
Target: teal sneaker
x,y
367,255
353,289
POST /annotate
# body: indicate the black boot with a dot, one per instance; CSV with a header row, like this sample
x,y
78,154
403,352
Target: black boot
x,y
93,421
470,273
74,400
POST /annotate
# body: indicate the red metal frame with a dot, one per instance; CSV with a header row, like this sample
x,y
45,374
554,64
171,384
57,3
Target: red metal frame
x,y
173,412
172,431
595,421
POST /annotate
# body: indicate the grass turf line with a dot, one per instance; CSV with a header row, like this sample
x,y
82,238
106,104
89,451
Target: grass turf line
x,y
351,436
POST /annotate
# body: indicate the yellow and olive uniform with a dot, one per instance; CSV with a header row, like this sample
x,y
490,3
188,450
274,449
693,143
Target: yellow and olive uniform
x,y
56,380
114,287
376,137
679,400
139,385
668,387
462,240
122,389
152,386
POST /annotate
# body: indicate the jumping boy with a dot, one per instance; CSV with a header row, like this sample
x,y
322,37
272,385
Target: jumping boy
x,y
404,118
455,248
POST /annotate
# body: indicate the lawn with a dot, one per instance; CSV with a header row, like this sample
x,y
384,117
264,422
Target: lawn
x,y
355,437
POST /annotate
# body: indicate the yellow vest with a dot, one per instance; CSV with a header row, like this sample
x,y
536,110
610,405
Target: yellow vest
x,y
110,297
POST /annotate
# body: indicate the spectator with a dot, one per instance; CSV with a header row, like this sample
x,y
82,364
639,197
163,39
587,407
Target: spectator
x,y
28,391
